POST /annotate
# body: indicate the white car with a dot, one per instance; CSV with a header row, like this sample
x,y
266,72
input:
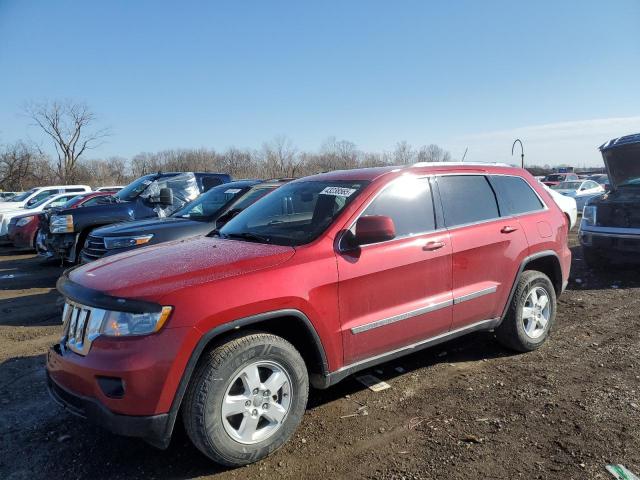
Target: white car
x,y
47,202
34,195
581,190
566,204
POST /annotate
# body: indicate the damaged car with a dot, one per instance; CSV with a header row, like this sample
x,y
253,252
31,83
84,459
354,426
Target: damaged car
x,y
610,227
156,195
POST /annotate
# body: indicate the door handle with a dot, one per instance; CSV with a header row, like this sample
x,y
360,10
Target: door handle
x,y
431,246
508,229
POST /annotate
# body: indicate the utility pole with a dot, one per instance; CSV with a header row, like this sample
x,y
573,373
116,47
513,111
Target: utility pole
x,y
517,140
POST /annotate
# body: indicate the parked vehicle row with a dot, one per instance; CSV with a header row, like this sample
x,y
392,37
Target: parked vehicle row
x,y
299,286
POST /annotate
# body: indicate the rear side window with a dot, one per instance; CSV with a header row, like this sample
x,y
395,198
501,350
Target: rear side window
x,y
409,204
516,195
467,199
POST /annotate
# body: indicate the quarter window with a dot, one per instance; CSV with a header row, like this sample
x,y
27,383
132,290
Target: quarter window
x,y
467,199
409,204
516,195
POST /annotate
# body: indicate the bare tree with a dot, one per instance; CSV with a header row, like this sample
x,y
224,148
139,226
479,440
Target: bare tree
x,y
69,126
404,154
21,165
433,153
280,158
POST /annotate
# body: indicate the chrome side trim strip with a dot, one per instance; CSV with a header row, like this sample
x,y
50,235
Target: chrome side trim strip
x,y
402,316
488,324
472,295
421,311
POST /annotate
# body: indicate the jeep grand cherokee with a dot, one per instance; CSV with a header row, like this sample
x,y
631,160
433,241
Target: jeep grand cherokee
x,y
327,275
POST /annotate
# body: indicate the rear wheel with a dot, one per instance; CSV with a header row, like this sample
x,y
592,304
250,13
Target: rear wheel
x,y
246,398
531,313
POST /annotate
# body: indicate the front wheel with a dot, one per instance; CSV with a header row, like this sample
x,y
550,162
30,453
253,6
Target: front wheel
x,y
246,398
531,314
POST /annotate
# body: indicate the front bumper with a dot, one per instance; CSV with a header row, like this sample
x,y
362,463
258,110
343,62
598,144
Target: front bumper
x,y
610,242
155,429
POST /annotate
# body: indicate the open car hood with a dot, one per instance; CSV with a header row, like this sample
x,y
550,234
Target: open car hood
x,y
622,158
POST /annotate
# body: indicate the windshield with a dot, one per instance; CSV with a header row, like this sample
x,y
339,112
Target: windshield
x,y
37,204
135,188
22,197
210,203
567,186
294,214
555,178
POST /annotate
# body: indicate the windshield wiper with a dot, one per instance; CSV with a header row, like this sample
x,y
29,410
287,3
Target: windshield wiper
x,y
251,237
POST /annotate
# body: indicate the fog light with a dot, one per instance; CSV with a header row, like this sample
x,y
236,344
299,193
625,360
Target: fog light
x,y
112,387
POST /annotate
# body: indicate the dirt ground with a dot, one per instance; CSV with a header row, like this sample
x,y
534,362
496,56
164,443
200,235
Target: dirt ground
x,y
463,410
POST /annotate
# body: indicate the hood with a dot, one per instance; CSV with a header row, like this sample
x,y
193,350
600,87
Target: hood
x,y
10,209
154,271
622,158
150,225
10,205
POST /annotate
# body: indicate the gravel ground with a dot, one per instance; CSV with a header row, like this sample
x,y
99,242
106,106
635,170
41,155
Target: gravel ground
x,y
466,409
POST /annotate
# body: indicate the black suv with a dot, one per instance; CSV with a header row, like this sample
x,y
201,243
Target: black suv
x,y
152,196
610,227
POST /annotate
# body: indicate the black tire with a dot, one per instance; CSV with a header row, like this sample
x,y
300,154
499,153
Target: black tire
x,y
511,332
213,377
592,258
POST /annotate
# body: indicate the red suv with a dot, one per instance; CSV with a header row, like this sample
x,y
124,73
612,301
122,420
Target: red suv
x,y
323,277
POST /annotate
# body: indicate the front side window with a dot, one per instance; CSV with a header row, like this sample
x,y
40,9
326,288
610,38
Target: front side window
x,y
210,203
467,199
516,195
408,203
23,196
294,214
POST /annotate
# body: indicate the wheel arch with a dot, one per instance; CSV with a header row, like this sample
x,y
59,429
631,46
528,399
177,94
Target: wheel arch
x,y
291,324
547,262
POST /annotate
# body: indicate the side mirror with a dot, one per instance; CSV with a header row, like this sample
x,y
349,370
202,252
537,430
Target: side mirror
x,y
166,196
374,229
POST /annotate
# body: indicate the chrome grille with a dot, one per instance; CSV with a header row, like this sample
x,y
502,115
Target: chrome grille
x,y
77,321
94,247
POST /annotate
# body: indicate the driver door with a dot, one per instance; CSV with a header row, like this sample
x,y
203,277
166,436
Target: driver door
x,y
396,292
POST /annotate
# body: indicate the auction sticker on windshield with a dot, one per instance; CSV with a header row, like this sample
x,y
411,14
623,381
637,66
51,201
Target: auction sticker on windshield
x,y
338,191
232,190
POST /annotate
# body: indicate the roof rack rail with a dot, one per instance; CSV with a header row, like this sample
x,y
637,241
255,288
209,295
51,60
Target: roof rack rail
x,y
458,164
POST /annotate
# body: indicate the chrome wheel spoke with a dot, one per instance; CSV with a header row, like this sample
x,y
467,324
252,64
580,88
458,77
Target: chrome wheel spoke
x,y
234,405
275,382
276,413
527,313
250,378
543,301
248,427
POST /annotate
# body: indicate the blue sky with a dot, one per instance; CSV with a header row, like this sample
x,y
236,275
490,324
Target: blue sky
x,y
561,75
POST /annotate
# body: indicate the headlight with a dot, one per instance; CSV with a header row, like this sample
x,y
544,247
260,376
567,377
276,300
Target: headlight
x,y
24,221
589,215
61,224
117,324
111,243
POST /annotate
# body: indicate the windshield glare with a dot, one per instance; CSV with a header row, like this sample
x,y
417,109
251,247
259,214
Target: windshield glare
x,y
135,188
22,197
210,203
294,214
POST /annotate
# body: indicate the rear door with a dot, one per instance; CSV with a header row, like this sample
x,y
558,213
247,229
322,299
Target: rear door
x,y
485,247
398,292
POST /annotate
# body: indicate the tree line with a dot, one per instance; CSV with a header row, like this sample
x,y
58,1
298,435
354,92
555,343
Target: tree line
x,y
70,127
